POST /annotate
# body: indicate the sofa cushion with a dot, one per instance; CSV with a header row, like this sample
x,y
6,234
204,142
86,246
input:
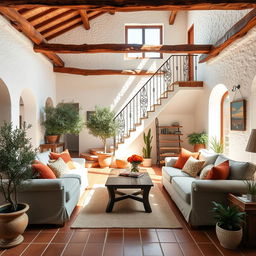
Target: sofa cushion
x,y
170,172
182,186
193,166
59,167
44,171
205,171
65,156
184,156
70,185
43,157
207,156
238,170
219,172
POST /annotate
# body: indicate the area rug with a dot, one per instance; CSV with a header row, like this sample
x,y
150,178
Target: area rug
x,y
126,214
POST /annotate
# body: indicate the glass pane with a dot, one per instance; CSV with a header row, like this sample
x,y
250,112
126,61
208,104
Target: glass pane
x,y
134,37
152,37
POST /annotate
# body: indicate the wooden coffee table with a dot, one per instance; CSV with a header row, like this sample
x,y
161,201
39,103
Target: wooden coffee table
x,y
143,183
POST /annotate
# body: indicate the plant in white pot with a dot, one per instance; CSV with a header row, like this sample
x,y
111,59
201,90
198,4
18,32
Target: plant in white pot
x,y
251,190
16,157
103,125
147,162
229,225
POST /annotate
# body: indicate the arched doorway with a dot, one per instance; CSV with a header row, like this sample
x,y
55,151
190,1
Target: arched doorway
x,y
253,112
5,104
218,105
28,110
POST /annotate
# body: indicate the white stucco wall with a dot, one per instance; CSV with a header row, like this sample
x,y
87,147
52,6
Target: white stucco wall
x,y
111,91
25,72
235,65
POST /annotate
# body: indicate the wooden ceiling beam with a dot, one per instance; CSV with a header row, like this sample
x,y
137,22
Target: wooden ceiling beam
x,y
121,48
235,32
102,72
30,32
138,5
172,17
85,19
29,13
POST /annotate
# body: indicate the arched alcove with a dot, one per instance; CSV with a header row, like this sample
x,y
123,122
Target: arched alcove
x,y
49,102
5,104
215,106
28,110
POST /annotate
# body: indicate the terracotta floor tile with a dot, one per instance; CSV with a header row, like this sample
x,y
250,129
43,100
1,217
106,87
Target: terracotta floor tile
x,y
93,249
114,237
54,250
171,249
97,237
209,250
15,250
200,236
149,236
132,250
167,236
44,238
28,237
183,236
74,249
79,237
113,249
34,249
153,249
190,249
132,237
62,237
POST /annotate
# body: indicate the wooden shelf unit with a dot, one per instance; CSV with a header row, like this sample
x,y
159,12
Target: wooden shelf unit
x,y
168,141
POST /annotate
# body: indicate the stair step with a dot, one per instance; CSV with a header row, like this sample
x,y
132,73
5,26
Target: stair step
x,y
170,134
91,164
169,154
170,141
93,151
167,148
89,157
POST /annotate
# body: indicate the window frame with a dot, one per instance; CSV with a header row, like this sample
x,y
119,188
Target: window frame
x,y
143,27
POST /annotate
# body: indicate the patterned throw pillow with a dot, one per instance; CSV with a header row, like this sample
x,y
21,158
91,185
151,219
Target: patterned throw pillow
x,y
193,166
58,167
183,157
65,156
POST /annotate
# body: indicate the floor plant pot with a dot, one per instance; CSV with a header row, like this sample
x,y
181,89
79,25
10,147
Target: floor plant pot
x,y
51,139
105,159
197,147
147,162
229,239
12,225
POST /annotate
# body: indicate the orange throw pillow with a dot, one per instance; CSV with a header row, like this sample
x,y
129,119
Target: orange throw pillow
x,y
65,156
184,156
44,171
219,172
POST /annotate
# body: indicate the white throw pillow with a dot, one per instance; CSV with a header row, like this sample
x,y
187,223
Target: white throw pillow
x,y
193,166
205,171
59,167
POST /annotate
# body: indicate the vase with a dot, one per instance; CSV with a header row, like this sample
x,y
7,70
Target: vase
x,y
135,167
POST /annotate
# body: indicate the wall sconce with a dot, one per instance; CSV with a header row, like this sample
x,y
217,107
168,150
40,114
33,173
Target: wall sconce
x,y
236,87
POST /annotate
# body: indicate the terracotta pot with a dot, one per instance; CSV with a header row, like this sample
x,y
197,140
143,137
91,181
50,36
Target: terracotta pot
x,y
12,225
229,239
197,147
147,162
105,159
51,139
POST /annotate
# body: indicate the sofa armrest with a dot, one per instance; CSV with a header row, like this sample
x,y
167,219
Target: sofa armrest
x,y
42,185
170,161
219,186
79,161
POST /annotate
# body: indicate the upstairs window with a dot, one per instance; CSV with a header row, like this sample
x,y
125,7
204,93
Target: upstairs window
x,y
149,35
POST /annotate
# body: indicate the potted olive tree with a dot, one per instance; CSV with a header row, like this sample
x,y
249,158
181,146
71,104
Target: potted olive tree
x,y
62,119
198,140
16,156
102,124
229,225
147,162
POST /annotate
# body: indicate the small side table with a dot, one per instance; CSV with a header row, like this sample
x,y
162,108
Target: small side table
x,y
53,147
249,235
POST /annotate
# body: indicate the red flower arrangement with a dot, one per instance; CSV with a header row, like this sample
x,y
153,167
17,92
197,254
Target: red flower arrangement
x,y
135,160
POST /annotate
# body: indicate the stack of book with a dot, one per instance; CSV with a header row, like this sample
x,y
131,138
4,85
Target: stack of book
x,y
131,174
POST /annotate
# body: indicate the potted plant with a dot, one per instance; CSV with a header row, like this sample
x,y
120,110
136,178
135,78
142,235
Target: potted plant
x,y
251,190
216,145
198,140
228,226
62,119
103,125
147,162
16,156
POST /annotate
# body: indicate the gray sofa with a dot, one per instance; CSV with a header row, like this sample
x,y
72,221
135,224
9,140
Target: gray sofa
x,y
194,196
52,201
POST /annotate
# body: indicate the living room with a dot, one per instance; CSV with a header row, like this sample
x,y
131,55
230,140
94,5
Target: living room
x,y
51,55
